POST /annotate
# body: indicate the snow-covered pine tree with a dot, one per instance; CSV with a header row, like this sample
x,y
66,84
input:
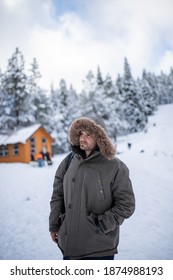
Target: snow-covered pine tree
x,y
99,78
72,110
40,103
34,89
65,110
163,90
170,86
16,94
152,81
2,107
43,112
89,84
98,98
73,104
109,87
95,103
94,92
116,124
131,101
146,92
56,124
54,98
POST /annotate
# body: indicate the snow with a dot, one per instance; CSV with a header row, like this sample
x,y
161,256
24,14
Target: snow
x,y
19,136
25,193
3,139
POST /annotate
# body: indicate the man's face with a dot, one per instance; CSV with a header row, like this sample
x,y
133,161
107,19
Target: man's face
x,y
87,142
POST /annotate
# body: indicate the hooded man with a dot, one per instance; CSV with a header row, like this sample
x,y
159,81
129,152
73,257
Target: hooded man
x,y
92,197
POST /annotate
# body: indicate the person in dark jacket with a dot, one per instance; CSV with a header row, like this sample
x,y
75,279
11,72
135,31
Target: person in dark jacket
x,y
91,198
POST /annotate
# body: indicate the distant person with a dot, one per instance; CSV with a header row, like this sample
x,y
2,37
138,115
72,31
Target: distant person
x,y
39,158
32,157
129,145
33,161
46,155
92,197
44,151
48,158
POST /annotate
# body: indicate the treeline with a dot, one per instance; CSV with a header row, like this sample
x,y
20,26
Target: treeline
x,y
124,102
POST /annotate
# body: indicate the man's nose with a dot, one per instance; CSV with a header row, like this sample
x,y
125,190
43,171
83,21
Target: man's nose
x,y
82,137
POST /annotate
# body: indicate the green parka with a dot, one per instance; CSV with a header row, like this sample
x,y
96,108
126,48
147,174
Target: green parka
x,y
91,199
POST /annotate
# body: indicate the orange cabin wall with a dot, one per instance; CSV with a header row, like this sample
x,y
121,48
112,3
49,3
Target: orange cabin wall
x,y
14,158
24,149
39,134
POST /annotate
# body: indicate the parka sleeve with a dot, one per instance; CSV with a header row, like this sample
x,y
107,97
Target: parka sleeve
x,y
57,199
123,201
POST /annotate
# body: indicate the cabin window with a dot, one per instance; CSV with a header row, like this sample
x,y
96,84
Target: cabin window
x,y
32,140
4,151
44,140
16,150
32,146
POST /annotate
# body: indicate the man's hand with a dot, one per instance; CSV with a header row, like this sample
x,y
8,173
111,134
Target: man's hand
x,y
54,236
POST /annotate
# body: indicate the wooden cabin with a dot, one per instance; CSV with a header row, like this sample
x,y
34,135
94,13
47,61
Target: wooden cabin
x,y
23,143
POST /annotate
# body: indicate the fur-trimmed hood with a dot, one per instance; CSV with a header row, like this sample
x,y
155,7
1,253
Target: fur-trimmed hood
x,y
97,127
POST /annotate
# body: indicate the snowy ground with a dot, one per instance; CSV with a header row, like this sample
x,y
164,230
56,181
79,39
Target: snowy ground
x,y
25,193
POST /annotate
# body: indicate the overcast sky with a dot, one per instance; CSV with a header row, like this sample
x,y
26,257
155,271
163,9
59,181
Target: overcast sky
x,y
71,37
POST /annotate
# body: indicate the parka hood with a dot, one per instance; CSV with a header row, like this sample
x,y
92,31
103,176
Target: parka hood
x,y
94,126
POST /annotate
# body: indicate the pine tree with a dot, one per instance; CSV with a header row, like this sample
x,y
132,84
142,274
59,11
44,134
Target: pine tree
x,y
35,92
65,110
116,124
94,95
170,86
109,87
163,90
2,107
127,71
131,100
16,95
98,98
89,84
56,123
73,104
54,98
146,92
87,94
99,77
40,111
152,81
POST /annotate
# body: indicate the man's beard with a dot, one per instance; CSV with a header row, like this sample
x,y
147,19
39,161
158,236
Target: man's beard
x,y
83,145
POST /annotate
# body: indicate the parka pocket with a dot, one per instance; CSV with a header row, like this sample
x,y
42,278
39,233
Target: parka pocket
x,y
62,228
93,223
62,231
61,218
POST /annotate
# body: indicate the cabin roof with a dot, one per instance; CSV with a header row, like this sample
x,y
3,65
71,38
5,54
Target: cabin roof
x,y
19,136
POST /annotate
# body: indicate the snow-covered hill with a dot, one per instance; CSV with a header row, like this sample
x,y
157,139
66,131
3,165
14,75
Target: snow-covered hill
x,y
25,193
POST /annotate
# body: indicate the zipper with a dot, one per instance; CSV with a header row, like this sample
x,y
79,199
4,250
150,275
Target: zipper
x,y
72,213
78,209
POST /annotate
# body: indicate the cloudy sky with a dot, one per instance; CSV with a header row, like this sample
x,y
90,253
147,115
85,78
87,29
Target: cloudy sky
x,y
71,37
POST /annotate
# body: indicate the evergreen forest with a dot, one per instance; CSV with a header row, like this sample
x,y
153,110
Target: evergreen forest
x,y
124,102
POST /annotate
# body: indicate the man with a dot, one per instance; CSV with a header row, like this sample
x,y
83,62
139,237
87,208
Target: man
x,y
92,198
